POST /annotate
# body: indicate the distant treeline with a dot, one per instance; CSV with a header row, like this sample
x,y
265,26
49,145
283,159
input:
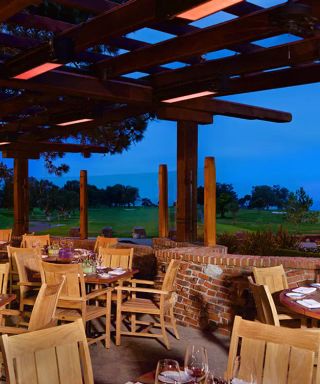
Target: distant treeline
x,y
63,200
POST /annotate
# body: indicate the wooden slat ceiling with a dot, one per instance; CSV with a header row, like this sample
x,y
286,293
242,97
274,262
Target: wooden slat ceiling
x,y
102,88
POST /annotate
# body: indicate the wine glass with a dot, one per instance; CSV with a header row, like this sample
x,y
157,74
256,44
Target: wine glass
x,y
168,371
196,362
249,376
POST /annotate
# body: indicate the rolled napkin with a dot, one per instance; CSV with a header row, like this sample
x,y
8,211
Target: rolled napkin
x,y
304,290
295,295
309,303
104,275
117,272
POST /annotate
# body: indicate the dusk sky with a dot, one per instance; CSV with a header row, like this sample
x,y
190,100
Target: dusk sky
x,y
247,152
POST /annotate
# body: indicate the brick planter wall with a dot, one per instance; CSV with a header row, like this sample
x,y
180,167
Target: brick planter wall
x,y
212,287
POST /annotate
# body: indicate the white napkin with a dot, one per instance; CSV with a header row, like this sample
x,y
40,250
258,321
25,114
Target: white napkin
x,y
117,272
3,242
104,275
309,303
304,290
239,381
295,294
317,285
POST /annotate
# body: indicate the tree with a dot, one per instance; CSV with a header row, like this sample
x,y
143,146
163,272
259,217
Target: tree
x,y
281,195
262,196
225,196
244,202
200,195
298,206
145,202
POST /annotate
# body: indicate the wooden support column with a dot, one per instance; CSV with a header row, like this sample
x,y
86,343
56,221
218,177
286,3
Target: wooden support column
x,y
163,201
83,205
20,197
210,230
187,167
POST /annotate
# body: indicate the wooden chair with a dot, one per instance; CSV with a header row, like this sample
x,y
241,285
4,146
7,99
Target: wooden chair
x,y
276,354
43,313
104,242
73,301
274,277
116,257
5,235
54,355
13,270
135,305
4,277
29,241
28,263
276,280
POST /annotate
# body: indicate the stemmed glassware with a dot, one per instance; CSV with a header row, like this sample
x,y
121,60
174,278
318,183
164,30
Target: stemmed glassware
x,y
196,363
168,371
250,375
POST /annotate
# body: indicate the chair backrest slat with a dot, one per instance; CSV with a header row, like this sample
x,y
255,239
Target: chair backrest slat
x,y
55,355
5,235
116,257
274,277
44,308
4,277
30,241
104,242
170,276
276,354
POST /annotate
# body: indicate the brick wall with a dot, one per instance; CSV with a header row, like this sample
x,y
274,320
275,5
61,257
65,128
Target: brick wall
x,y
212,287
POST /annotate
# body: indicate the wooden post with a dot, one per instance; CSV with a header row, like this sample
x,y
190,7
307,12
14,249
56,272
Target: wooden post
x,y
187,167
163,201
210,230
83,205
20,197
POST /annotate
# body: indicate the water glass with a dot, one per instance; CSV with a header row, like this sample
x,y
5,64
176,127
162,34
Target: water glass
x,y
196,363
168,371
248,377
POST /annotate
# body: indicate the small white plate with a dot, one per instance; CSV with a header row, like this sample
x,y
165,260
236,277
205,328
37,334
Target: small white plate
x,y
295,295
116,272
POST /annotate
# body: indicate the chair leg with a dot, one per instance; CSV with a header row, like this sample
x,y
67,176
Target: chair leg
x,y
133,322
164,332
108,319
118,325
174,324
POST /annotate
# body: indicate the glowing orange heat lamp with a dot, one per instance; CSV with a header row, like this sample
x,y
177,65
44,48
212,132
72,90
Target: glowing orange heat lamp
x,y
33,72
74,122
188,97
207,9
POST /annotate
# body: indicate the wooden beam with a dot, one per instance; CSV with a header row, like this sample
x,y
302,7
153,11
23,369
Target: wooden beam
x,y
163,201
11,7
305,74
83,205
210,230
66,83
52,147
20,197
291,54
238,110
251,27
187,167
183,114
9,154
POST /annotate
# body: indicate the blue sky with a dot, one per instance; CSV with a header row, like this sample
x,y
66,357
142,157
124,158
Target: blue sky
x,y
247,152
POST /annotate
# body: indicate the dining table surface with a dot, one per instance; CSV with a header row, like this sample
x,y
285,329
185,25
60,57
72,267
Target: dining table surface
x,y
292,303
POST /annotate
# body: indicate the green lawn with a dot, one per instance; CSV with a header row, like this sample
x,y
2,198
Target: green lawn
x,y
122,220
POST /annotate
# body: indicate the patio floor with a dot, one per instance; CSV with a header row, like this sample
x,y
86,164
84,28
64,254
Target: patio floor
x,y
136,355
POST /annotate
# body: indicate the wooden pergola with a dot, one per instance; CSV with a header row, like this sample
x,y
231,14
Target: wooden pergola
x,y
53,92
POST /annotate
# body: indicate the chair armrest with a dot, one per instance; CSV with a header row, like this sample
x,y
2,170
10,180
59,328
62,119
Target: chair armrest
x,y
98,292
12,330
145,290
30,283
10,312
138,281
73,299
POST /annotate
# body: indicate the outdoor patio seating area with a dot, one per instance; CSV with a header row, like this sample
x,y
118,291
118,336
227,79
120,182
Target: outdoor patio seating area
x,y
86,77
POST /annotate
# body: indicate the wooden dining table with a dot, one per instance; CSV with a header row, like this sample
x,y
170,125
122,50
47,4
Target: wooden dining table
x,y
291,303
